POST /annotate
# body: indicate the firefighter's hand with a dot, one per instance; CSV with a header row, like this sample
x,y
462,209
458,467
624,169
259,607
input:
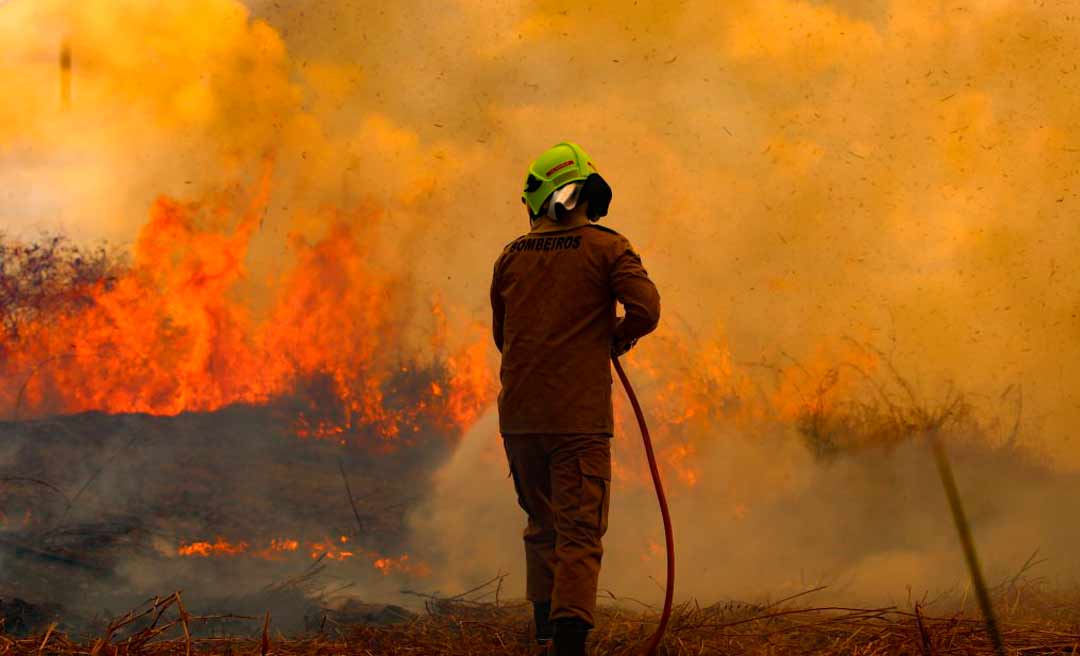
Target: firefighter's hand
x,y
621,346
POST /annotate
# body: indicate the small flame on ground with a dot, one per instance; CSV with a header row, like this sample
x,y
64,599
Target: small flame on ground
x,y
220,547
331,549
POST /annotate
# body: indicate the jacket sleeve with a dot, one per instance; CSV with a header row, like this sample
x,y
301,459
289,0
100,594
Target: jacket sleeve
x,y
636,292
497,308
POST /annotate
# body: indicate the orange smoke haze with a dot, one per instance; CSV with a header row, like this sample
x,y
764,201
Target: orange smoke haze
x,y
793,171
823,190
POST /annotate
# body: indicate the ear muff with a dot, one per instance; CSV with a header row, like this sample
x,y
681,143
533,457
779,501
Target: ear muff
x,y
598,192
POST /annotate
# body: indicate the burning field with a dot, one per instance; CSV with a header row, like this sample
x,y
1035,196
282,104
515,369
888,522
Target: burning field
x,y
245,363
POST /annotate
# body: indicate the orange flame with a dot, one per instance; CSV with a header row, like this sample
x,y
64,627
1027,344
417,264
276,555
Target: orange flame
x,y
693,393
401,564
328,548
220,547
169,336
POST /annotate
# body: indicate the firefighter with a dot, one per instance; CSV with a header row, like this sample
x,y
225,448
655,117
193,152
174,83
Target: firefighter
x,y
553,297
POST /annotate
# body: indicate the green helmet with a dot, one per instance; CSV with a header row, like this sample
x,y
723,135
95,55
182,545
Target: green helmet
x,y
558,166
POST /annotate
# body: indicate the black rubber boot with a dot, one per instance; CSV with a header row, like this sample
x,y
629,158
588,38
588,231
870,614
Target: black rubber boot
x,y
542,622
570,635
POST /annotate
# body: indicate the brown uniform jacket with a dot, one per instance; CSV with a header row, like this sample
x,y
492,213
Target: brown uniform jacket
x,y
553,302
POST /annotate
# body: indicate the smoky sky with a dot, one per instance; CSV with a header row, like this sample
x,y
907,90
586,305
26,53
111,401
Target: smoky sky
x,y
794,173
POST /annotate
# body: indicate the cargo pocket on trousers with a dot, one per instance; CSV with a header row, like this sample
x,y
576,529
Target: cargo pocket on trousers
x,y
595,491
517,488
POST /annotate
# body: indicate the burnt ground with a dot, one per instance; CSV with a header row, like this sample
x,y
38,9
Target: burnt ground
x,y
96,505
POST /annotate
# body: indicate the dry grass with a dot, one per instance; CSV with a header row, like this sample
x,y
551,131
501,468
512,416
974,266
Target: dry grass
x,y
1033,622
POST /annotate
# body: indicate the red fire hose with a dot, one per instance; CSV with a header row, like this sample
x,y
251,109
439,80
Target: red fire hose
x,y
669,536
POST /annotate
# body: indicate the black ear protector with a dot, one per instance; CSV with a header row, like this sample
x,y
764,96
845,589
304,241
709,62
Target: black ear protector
x,y
532,183
598,193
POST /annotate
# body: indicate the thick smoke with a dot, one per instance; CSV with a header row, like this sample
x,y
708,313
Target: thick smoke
x,y
793,172
768,519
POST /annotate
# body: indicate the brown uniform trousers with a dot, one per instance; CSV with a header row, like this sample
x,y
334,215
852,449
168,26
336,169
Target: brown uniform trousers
x,y
563,484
